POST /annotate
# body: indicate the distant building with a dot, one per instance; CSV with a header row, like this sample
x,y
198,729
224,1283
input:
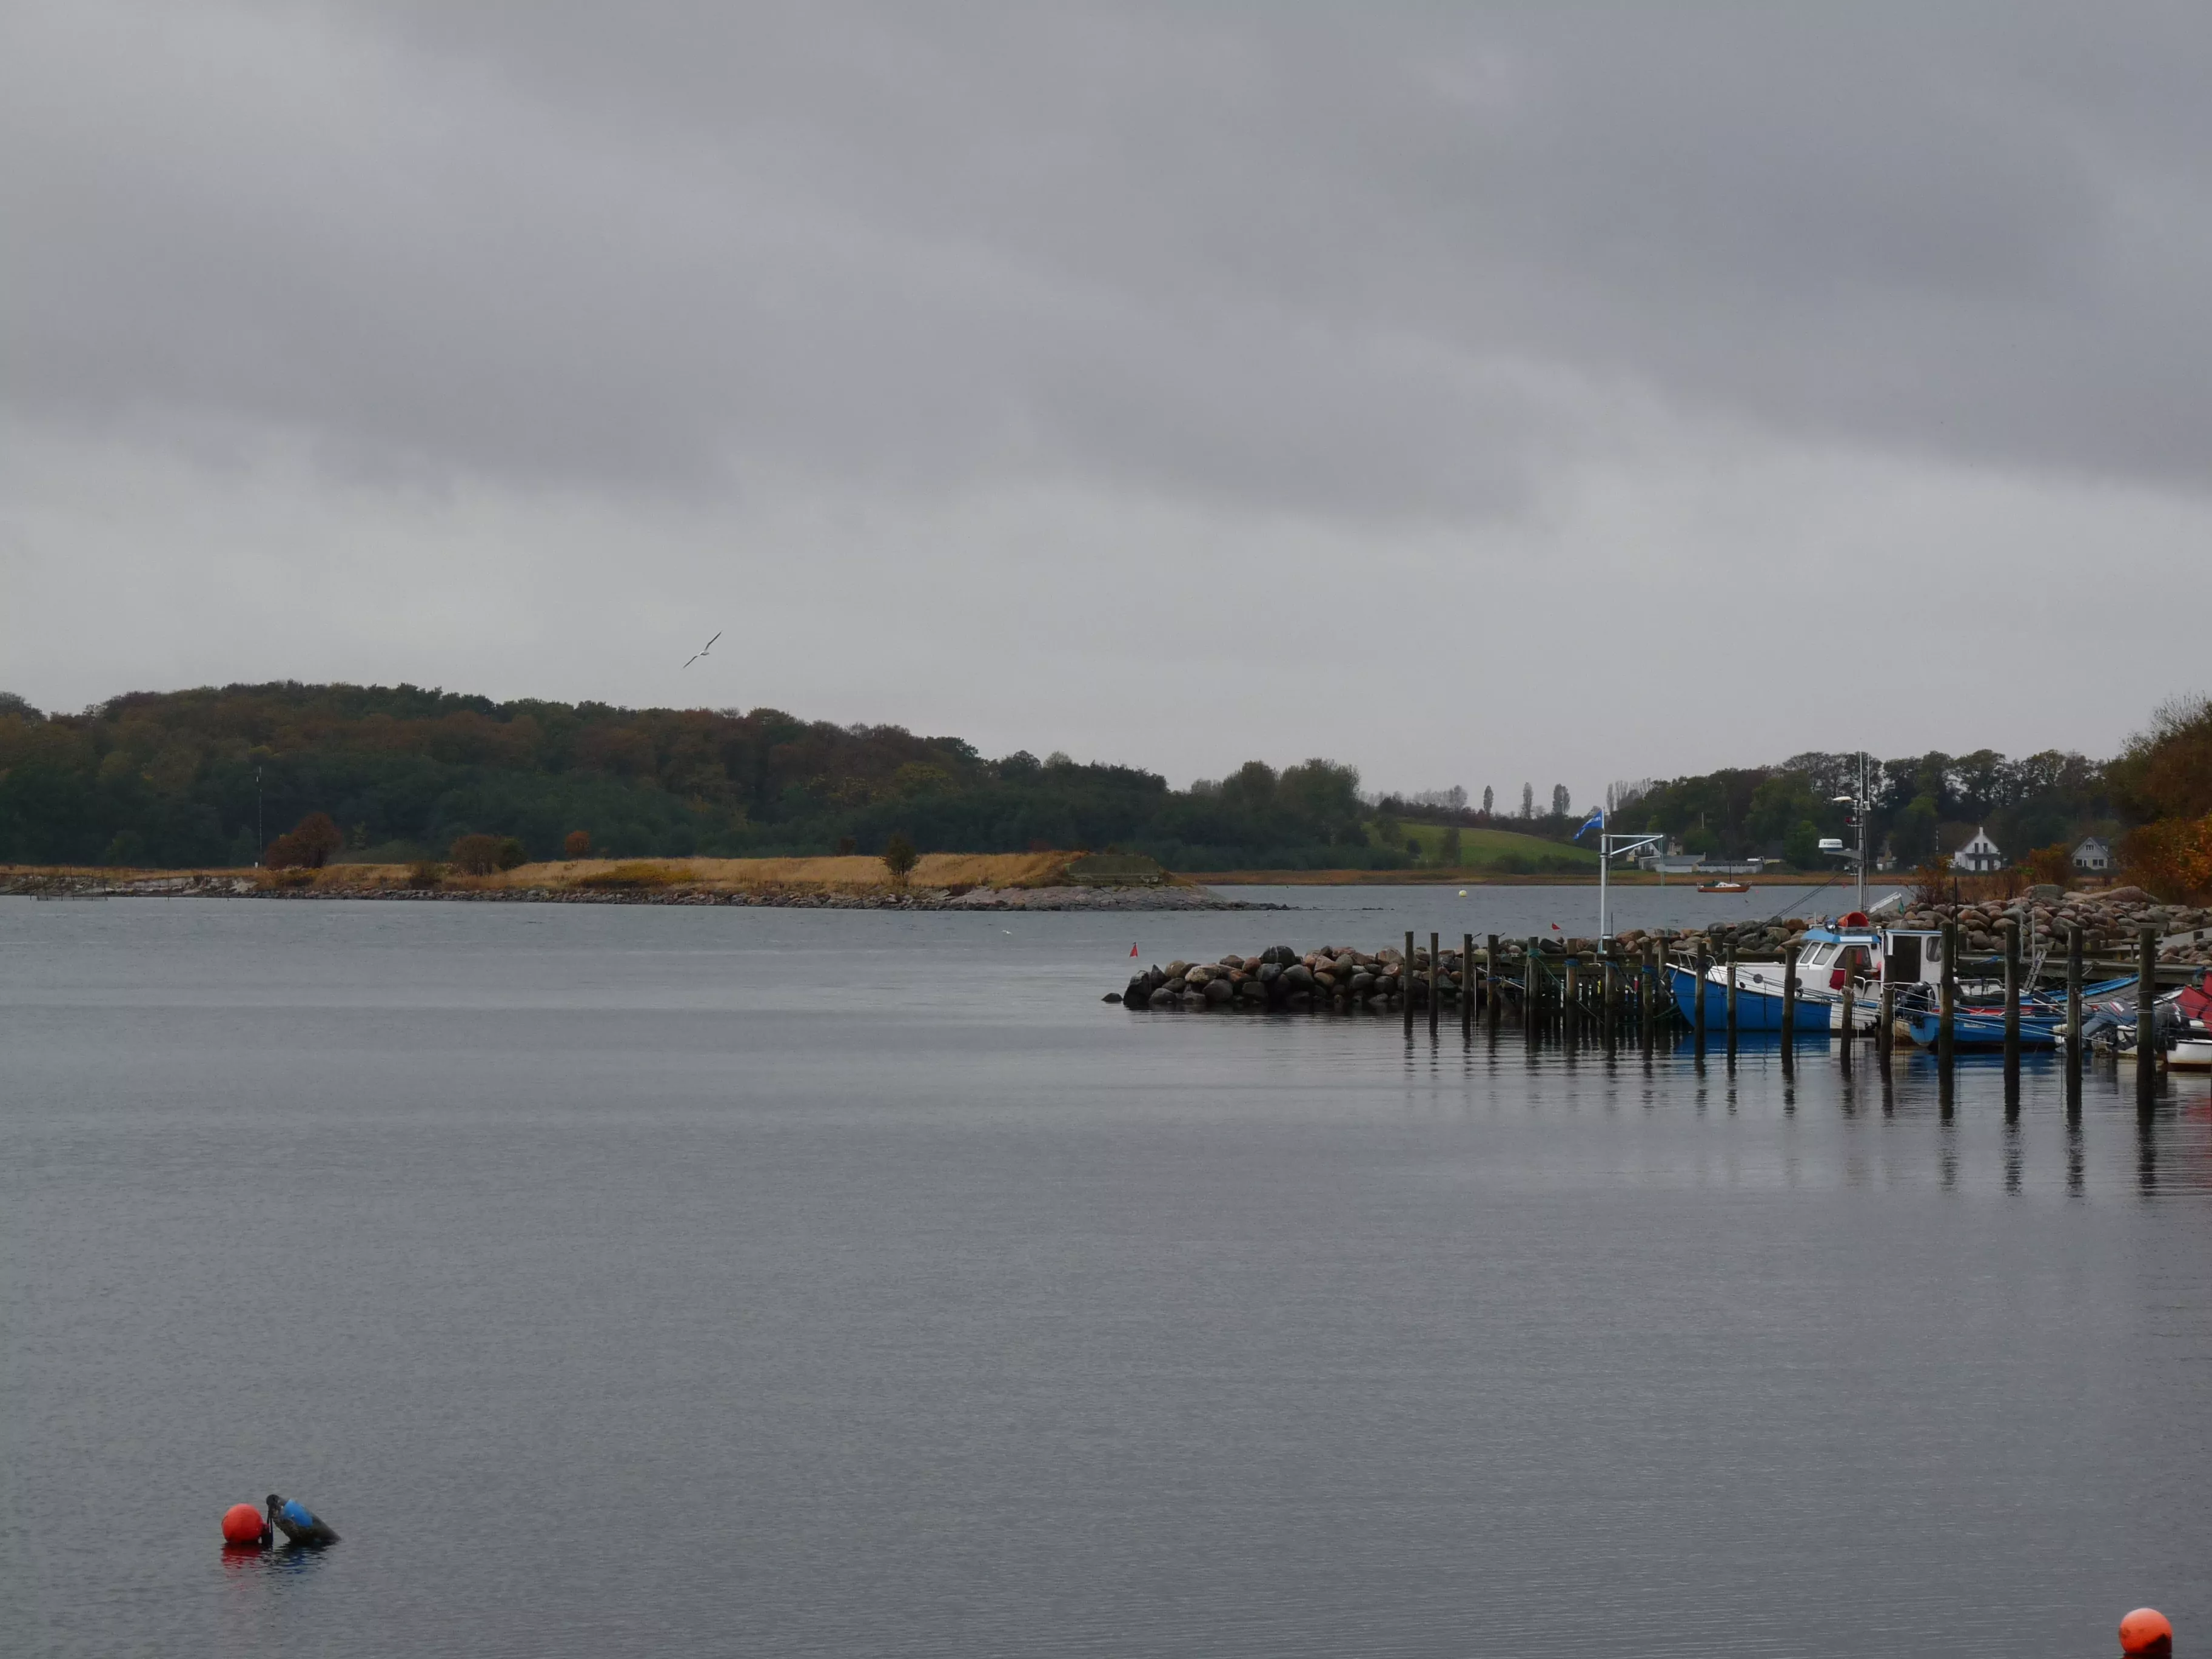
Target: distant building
x,y
2093,856
1979,855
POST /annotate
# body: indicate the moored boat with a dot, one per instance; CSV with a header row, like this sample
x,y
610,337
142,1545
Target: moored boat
x,y
1832,958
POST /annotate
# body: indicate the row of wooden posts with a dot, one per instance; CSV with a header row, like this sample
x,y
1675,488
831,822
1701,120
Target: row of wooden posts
x,y
1632,985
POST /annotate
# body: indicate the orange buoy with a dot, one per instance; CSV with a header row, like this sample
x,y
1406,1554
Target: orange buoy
x,y
242,1524
2146,1630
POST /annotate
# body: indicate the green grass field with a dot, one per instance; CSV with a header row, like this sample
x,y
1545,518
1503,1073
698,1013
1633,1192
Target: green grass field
x,y
1481,849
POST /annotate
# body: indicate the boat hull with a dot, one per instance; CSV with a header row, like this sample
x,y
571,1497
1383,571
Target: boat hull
x,y
1756,1010
1983,1027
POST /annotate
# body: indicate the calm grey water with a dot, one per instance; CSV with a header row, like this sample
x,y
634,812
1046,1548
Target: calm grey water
x,y
776,1283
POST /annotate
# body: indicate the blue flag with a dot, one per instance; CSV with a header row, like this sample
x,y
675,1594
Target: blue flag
x,y
1596,822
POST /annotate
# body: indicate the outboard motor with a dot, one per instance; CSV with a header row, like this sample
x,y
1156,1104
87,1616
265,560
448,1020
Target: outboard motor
x,y
299,1523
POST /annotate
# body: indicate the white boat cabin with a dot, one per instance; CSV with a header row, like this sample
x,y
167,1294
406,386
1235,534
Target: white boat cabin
x,y
1912,958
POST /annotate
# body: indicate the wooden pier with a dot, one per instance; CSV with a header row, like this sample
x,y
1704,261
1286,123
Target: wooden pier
x,y
1601,993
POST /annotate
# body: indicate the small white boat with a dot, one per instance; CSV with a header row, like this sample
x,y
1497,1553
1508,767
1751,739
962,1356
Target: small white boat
x,y
2191,1053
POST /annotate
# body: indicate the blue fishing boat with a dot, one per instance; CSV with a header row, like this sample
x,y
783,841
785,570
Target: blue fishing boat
x,y
1831,957
1981,1024
1757,1008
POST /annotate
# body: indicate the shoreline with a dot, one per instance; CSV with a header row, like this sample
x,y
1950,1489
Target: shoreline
x,y
79,885
1491,878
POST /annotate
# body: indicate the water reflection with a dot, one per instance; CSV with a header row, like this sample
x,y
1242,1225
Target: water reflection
x,y
1988,1117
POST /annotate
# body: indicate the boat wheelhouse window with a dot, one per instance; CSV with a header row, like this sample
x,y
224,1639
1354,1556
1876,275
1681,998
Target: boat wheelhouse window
x,y
1934,944
1818,955
1903,957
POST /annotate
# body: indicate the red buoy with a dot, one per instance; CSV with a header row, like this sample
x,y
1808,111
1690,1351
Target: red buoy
x,y
2146,1630
242,1524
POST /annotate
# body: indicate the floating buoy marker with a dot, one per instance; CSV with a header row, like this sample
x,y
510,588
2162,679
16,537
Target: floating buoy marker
x,y
242,1524
2146,1630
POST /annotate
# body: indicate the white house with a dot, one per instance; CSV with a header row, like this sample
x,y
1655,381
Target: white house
x,y
1978,854
2094,855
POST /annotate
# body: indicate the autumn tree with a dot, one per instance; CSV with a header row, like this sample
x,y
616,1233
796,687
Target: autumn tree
x,y
900,858
577,844
475,855
308,845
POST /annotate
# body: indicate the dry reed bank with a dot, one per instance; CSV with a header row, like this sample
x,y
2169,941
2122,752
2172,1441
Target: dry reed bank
x,y
940,880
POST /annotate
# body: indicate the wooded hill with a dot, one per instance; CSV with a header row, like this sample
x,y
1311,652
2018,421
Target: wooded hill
x,y
168,780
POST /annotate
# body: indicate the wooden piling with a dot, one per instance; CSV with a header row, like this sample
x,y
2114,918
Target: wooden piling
x,y
2146,1016
2012,1001
2074,1018
1647,1002
1466,985
1948,1018
1436,982
1698,964
1491,1001
1405,982
1571,1007
1609,1013
1789,1007
1531,987
1850,1015
1885,1040
1731,1002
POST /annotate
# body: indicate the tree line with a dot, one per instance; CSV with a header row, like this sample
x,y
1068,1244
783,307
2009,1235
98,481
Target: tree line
x,y
212,776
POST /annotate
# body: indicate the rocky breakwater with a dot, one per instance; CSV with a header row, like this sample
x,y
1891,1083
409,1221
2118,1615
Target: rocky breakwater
x,y
1344,979
2111,924
1334,976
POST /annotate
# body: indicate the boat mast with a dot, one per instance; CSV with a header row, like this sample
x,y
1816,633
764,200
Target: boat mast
x,y
1862,812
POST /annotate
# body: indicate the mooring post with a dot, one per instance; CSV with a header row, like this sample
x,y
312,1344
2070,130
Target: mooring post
x,y
1885,1036
1405,982
1789,1007
1466,985
1436,982
1850,1013
2074,1055
1699,963
1647,1002
1571,1003
1609,995
2147,1048
2074,1014
2011,926
1947,1040
1489,999
1731,1000
2074,989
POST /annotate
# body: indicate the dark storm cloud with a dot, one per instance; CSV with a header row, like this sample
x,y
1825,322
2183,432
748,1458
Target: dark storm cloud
x,y
1365,263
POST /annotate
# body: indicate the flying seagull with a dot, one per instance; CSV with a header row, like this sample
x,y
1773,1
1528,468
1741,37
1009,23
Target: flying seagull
x,y
702,650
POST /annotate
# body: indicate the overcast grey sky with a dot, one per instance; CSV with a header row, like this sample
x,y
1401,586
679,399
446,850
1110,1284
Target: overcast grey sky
x,y
1475,394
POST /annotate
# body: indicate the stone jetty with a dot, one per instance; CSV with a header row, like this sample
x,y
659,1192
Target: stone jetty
x,y
1334,976
2111,921
1346,978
